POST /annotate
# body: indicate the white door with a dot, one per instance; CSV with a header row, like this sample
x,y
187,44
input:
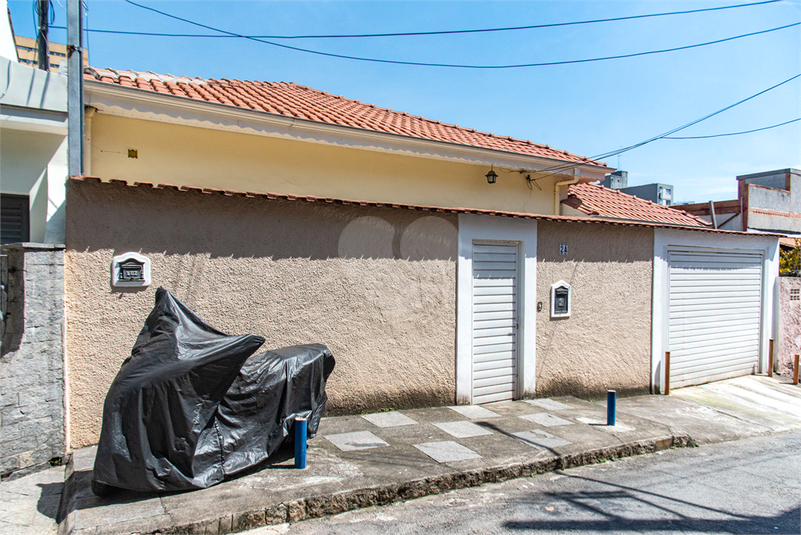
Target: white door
x,y
495,316
715,311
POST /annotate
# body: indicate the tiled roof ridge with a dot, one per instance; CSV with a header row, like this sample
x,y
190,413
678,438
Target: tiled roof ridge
x,y
362,115
401,206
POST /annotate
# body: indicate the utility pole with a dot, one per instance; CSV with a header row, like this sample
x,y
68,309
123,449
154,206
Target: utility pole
x,y
42,43
75,87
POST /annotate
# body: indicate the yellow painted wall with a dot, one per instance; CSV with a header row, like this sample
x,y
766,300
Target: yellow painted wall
x,y
184,155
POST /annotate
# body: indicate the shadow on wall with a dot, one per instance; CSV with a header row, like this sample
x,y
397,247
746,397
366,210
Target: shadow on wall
x,y
123,218
593,243
573,387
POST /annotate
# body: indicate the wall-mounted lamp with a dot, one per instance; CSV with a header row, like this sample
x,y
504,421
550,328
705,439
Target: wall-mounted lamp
x,y
492,176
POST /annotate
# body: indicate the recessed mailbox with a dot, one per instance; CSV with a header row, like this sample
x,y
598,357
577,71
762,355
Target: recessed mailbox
x,y
130,270
560,300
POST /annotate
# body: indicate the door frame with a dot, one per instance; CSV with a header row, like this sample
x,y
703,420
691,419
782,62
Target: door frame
x,y
666,240
474,227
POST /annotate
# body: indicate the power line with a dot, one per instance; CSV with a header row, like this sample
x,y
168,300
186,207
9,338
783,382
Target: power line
x,y
440,32
457,66
735,133
691,123
565,167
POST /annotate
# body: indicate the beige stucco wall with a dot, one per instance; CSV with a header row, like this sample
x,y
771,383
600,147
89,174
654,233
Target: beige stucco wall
x,y
606,342
789,326
376,285
204,157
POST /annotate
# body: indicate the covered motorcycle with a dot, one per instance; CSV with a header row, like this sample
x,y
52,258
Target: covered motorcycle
x,y
192,405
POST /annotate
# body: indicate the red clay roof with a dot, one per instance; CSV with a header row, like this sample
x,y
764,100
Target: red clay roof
x,y
293,100
596,200
312,199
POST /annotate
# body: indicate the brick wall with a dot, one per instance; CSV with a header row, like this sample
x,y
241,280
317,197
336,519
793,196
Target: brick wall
x,y
31,357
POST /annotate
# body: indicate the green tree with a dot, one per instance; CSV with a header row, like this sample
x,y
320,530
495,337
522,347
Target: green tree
x,y
790,260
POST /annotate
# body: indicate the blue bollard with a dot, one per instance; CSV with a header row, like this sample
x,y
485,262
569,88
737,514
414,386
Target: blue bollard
x,y
300,442
611,402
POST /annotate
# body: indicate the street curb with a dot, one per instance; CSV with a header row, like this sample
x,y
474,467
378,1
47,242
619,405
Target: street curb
x,y
331,504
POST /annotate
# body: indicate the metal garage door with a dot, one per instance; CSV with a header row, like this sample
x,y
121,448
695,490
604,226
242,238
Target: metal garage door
x,y
495,283
715,310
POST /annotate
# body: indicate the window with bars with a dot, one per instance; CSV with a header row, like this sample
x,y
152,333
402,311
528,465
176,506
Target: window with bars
x,y
795,294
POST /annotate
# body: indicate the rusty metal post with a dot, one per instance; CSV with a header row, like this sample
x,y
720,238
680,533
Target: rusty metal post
x,y
667,373
770,358
795,371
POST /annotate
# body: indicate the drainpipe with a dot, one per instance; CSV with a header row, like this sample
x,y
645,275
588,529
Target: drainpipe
x,y
558,185
87,146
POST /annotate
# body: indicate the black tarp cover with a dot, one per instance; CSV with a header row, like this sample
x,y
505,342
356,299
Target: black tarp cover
x,y
191,406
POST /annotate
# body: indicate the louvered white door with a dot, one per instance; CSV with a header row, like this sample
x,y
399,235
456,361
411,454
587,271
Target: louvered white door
x,y
495,312
715,315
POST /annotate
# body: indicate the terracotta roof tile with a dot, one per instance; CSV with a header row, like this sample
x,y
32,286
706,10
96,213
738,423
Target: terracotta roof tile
x,y
596,200
295,100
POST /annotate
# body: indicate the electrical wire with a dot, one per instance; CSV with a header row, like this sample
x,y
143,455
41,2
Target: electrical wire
x,y
566,166
441,32
452,65
735,133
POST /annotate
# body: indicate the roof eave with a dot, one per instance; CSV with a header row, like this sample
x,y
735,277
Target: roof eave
x,y
149,105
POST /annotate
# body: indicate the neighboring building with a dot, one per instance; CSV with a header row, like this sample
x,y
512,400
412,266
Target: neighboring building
x,y
33,141
766,202
33,173
301,216
28,53
617,180
656,193
7,47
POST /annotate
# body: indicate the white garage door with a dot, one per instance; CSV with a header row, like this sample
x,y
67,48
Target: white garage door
x,y
715,311
495,283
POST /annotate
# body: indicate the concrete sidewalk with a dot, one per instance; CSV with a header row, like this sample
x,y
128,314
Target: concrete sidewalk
x,y
360,461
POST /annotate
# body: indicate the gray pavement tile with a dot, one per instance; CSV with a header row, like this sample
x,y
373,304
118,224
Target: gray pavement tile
x,y
548,404
388,419
447,451
542,439
462,429
95,511
546,420
601,424
474,412
359,440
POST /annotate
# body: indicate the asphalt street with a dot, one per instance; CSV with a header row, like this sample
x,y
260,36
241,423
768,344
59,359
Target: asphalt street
x,y
747,486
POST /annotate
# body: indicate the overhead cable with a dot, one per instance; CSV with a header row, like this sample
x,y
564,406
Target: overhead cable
x,y
735,133
564,167
458,66
441,32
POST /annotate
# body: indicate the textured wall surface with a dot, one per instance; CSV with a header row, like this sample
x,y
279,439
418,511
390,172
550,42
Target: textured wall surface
x,y
375,285
31,358
606,342
789,325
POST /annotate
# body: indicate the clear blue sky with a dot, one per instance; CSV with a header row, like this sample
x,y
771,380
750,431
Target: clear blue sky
x,y
588,109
